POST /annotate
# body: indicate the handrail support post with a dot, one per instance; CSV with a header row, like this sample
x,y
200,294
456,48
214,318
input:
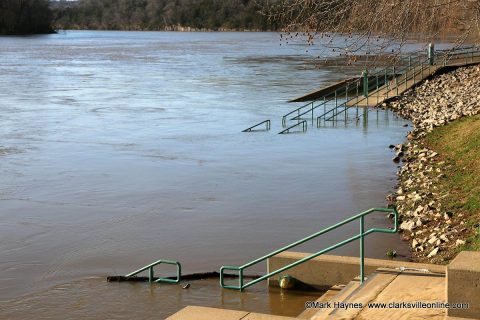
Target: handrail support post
x,y
151,274
240,279
362,246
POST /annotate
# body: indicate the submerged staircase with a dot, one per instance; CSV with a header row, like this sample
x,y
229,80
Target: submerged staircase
x,y
336,102
385,289
387,293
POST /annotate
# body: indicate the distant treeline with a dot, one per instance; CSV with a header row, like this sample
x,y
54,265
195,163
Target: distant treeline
x,y
25,17
161,15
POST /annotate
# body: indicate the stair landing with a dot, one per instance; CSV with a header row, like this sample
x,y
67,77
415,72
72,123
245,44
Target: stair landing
x,y
393,286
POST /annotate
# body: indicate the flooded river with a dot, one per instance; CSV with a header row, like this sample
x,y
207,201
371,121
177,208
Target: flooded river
x,y
121,148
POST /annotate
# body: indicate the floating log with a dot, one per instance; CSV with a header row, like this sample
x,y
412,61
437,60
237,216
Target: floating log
x,y
193,276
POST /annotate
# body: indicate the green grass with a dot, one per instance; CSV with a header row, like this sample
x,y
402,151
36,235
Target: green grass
x,y
458,143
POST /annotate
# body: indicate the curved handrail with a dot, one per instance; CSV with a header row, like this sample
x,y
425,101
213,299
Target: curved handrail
x,y
361,216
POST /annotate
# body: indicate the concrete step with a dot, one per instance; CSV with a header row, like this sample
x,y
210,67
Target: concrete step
x,y
327,296
387,286
339,297
364,294
205,313
410,286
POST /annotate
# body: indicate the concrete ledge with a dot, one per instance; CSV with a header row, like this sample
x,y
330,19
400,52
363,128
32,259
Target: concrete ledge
x,y
463,284
204,313
328,270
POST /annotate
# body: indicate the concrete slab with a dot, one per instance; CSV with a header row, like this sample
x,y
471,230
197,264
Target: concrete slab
x,y
328,270
204,313
327,296
463,284
261,316
339,297
364,294
409,287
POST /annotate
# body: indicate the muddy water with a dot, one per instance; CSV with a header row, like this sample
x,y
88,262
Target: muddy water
x,y
94,298
120,148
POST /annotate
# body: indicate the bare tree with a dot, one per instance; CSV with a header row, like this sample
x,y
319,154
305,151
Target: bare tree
x,y
353,27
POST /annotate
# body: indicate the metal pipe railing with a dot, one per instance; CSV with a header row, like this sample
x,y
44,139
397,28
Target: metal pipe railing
x,y
361,216
267,127
414,66
297,117
303,123
151,274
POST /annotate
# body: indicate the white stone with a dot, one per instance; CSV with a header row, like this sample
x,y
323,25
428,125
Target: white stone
x,y
433,253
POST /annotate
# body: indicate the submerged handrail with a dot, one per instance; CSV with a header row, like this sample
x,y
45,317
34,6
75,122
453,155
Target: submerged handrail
x,y
297,117
404,79
151,274
361,216
303,123
386,82
267,122
382,73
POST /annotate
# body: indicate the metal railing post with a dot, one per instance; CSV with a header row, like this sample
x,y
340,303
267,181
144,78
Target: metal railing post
x,y
386,81
240,279
336,105
406,78
431,54
151,274
356,104
396,79
362,246
365,83
346,99
312,113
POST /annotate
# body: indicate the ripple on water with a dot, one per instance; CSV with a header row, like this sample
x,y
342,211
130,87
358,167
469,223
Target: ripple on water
x,y
94,298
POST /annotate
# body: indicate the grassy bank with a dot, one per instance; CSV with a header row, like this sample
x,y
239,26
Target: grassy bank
x,y
458,144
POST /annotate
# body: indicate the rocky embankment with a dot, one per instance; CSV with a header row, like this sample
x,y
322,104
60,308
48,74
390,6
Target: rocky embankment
x,y
433,232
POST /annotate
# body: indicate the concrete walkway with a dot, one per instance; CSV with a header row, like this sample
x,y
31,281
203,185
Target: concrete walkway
x,y
384,286
389,286
203,313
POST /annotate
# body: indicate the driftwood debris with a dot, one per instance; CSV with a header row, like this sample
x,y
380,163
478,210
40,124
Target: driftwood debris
x,y
193,276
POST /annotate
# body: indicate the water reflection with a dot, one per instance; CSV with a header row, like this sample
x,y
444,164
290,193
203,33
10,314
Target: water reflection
x,y
128,148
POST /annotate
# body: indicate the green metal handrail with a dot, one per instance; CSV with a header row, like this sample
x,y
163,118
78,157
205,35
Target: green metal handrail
x,y
303,123
361,216
374,85
407,68
469,52
310,105
268,125
344,104
284,118
151,274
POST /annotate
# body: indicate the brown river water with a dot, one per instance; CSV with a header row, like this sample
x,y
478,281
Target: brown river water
x,y
121,148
